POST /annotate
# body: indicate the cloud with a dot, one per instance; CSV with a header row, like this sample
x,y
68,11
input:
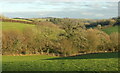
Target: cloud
x,y
104,7
61,0
60,8
99,15
87,13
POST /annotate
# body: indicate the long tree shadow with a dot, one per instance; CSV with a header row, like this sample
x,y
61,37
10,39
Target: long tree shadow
x,y
89,56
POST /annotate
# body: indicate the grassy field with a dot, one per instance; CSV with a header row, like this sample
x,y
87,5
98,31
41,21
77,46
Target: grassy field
x,y
15,26
92,62
111,29
48,30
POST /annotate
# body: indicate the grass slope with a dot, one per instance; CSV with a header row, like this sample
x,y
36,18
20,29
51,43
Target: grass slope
x,y
50,31
111,29
15,26
92,62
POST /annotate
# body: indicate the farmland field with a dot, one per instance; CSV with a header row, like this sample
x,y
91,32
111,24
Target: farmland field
x,y
59,35
92,62
15,26
111,29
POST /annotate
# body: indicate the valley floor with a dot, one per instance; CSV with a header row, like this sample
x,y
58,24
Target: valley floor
x,y
90,62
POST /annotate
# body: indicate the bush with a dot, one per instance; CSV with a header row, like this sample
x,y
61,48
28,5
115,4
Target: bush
x,y
114,41
12,42
48,38
93,39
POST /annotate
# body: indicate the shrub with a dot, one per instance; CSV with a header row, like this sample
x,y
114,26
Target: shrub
x,y
114,41
12,41
93,39
49,38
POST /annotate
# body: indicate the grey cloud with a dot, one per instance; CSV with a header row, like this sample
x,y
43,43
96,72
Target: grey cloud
x,y
61,0
69,9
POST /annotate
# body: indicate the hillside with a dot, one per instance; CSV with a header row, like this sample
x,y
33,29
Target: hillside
x,y
15,26
59,35
58,44
64,36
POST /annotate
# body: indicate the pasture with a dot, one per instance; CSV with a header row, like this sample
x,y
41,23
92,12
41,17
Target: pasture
x,y
88,62
15,26
52,32
111,29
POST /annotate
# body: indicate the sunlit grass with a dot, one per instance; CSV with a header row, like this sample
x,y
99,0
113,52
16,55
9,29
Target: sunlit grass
x,y
111,29
98,62
15,26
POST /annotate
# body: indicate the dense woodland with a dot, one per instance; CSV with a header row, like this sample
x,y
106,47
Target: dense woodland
x,y
60,36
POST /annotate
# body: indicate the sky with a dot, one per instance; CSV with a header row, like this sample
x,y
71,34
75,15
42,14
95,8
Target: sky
x,y
90,9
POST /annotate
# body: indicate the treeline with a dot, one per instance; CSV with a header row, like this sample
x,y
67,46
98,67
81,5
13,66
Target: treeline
x,y
62,37
117,21
104,23
83,23
19,21
24,20
70,42
86,23
72,22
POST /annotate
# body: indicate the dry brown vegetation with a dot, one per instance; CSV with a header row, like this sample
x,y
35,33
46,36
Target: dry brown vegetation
x,y
30,42
47,37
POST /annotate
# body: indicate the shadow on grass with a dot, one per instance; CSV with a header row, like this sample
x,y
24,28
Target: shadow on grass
x,y
89,56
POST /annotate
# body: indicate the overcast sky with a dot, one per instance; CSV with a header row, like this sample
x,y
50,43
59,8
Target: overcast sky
x,y
93,9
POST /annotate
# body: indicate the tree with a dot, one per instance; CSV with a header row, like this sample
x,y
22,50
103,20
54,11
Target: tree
x,y
114,41
112,22
99,26
93,39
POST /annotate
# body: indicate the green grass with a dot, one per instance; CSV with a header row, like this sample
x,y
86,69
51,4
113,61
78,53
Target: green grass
x,y
92,62
39,19
15,26
48,31
111,29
